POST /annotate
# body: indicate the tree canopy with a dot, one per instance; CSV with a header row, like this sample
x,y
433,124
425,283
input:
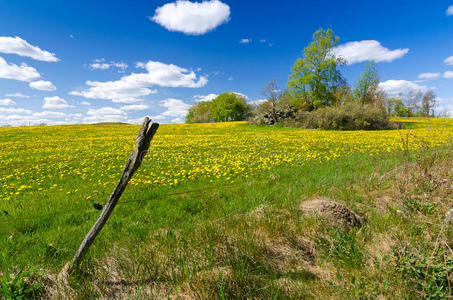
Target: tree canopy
x,y
315,77
226,107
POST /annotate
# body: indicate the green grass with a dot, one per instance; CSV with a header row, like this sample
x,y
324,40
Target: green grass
x,y
247,239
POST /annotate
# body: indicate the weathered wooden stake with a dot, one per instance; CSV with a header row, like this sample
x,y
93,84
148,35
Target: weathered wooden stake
x,y
144,138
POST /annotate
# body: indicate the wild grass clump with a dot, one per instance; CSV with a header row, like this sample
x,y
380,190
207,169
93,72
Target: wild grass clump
x,y
350,116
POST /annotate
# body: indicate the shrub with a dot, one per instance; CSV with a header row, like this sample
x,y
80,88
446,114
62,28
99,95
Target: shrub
x,y
349,116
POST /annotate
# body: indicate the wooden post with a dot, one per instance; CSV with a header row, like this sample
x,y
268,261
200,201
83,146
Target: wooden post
x,y
144,138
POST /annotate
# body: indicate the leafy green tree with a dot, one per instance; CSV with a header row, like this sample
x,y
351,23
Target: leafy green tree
x,y
200,113
315,77
367,87
226,107
229,107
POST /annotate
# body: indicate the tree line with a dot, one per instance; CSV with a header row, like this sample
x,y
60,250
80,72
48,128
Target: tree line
x,y
317,91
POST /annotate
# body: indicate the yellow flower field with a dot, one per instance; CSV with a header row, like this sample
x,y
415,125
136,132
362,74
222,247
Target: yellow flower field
x,y
86,160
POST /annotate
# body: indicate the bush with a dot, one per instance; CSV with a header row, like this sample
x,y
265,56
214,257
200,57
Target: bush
x,y
349,116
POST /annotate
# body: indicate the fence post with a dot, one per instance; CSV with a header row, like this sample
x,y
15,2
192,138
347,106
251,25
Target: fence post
x,y
144,138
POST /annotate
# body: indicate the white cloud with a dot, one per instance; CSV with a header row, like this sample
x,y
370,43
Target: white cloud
x,y
257,102
449,60
6,102
263,40
15,110
241,95
55,103
49,114
86,103
192,17
176,109
130,88
231,78
450,10
395,87
369,50
135,107
16,45
245,41
17,95
21,73
105,114
99,65
448,74
199,98
42,85
429,76
177,121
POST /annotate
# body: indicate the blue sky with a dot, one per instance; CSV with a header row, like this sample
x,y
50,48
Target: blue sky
x,y
93,61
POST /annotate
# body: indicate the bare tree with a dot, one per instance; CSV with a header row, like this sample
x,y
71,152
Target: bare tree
x,y
271,92
429,102
413,101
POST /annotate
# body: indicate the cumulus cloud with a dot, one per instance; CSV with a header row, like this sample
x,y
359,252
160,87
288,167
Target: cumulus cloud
x,y
209,97
42,85
449,60
448,74
369,50
20,73
86,103
135,107
16,45
192,17
130,88
395,87
450,10
257,103
17,95
105,114
55,103
245,41
6,102
429,76
176,110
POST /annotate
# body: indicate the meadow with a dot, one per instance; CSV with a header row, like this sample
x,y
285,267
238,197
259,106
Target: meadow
x,y
198,181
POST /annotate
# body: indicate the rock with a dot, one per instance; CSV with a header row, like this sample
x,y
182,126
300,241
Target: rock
x,y
332,210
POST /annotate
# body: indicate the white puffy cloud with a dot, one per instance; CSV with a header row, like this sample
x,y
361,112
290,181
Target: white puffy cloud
x,y
6,102
368,50
21,73
449,60
16,45
42,85
135,107
245,41
86,103
176,110
448,74
257,103
450,10
105,114
209,97
129,89
192,17
55,103
429,76
17,95
395,87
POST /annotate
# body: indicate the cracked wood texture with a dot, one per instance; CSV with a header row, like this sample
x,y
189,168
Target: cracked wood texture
x,y
144,138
